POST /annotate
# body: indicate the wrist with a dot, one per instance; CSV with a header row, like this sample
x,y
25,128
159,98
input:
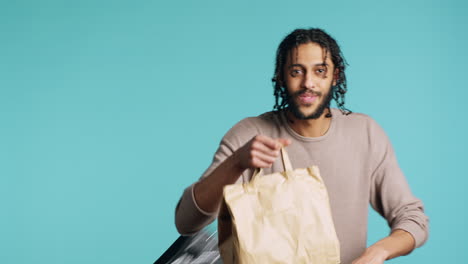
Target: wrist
x,y
237,162
378,251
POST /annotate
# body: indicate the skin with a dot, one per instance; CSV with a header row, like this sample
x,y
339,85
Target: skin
x,y
398,243
260,152
306,72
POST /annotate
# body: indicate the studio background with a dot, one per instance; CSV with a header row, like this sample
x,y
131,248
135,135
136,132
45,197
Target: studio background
x,y
109,109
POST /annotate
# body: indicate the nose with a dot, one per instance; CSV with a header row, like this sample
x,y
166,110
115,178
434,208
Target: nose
x,y
308,82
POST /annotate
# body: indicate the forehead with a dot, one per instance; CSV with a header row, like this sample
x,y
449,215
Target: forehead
x,y
308,54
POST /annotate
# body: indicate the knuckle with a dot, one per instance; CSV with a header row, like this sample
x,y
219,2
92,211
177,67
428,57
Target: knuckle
x,y
251,154
255,145
255,163
277,145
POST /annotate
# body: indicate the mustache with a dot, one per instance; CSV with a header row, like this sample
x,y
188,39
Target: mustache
x,y
299,93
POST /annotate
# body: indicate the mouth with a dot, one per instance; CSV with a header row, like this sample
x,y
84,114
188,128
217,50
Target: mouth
x,y
307,98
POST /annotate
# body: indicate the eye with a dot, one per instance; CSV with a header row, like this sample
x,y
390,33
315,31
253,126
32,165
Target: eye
x,y
295,72
321,71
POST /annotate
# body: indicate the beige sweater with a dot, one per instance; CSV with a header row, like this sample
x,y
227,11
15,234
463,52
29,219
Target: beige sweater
x,y
357,163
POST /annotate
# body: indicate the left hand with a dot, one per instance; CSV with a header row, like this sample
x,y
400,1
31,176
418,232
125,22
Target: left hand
x,y
372,256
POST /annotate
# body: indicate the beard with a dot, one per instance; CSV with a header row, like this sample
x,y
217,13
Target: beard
x,y
294,108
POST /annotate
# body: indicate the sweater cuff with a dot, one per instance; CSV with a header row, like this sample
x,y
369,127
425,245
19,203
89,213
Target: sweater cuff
x,y
418,232
191,189
189,216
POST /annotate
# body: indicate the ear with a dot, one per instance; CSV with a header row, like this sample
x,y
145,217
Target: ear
x,y
336,77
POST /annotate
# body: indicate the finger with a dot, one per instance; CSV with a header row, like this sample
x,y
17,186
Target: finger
x,y
260,163
263,157
284,141
261,147
268,141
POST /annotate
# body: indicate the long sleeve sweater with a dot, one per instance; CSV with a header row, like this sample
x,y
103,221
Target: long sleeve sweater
x,y
357,163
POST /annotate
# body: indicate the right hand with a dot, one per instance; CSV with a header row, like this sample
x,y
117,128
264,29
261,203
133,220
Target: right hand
x,y
260,152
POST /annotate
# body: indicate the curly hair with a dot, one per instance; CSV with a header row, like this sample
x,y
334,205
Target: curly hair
x,y
304,36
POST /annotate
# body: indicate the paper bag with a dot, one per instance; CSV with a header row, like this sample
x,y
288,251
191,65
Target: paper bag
x,y
283,217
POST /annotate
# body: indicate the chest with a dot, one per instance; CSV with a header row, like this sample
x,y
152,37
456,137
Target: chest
x,y
343,167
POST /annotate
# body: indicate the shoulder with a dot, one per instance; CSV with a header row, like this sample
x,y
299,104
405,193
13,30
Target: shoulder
x,y
255,124
365,135
266,119
353,118
359,122
363,130
249,127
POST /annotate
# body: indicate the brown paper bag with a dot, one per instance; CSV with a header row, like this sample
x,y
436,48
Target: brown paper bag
x,y
283,217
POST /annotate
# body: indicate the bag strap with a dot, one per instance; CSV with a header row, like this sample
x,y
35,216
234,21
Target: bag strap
x,y
286,162
256,172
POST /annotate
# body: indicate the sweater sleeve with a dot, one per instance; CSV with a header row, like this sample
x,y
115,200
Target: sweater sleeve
x,y
189,217
390,193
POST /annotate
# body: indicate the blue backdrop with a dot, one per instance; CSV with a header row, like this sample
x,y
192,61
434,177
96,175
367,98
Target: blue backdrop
x,y
109,109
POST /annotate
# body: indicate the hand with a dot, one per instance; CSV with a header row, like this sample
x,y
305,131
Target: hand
x,y
260,152
372,255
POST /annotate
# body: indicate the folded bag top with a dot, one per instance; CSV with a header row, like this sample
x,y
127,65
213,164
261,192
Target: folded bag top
x,y
283,217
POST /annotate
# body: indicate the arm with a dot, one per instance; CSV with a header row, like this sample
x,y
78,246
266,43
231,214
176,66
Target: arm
x,y
200,202
208,191
391,197
398,243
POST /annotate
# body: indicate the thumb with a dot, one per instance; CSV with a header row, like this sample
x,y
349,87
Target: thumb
x,y
284,141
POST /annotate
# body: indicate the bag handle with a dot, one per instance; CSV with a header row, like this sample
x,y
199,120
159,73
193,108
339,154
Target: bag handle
x,y
286,164
256,172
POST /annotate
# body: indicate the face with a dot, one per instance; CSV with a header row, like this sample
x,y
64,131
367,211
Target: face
x,y
308,79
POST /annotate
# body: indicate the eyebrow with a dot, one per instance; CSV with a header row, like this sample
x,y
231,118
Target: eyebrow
x,y
300,65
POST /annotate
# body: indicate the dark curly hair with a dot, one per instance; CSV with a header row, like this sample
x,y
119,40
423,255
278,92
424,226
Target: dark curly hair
x,y
304,36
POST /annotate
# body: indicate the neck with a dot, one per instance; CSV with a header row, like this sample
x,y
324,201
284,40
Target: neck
x,y
309,127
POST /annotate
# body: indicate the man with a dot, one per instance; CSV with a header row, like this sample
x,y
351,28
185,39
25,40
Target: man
x,y
355,157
